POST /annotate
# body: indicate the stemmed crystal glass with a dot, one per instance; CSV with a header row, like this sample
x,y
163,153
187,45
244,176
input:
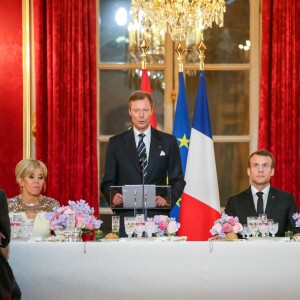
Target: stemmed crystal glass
x,y
27,226
256,226
251,225
263,228
149,228
246,232
129,223
273,228
16,224
115,223
139,229
263,217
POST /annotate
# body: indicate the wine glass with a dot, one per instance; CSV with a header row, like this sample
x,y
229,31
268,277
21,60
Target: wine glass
x,y
263,217
246,232
16,224
251,225
270,221
71,220
140,218
27,226
129,223
256,226
139,229
273,228
115,223
263,228
149,228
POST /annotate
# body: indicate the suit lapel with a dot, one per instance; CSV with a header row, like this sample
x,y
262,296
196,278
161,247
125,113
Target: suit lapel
x,y
155,147
271,201
250,202
130,149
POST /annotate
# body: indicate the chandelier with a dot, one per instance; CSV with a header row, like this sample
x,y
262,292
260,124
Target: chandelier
x,y
179,17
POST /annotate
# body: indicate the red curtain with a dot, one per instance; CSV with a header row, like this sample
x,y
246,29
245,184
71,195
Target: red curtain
x,y
279,116
11,94
65,65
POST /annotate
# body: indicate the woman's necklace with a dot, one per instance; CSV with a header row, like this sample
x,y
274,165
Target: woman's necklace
x,y
30,206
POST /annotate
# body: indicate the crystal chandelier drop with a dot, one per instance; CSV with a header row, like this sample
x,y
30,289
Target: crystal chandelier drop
x,y
179,17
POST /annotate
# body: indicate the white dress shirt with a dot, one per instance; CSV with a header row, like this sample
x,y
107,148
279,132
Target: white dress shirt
x,y
265,196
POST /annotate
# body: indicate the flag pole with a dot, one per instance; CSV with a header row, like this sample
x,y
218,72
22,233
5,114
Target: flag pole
x,y
180,51
144,48
145,84
201,48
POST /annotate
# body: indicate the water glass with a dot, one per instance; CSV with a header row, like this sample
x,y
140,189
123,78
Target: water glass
x,y
140,218
246,232
273,228
129,223
149,228
251,225
263,228
16,225
263,217
26,229
71,221
139,229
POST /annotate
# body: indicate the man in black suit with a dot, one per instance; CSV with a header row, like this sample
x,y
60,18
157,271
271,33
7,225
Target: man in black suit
x,y
123,166
9,288
277,204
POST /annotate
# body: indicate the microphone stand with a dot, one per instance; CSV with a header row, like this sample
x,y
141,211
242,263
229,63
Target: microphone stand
x,y
143,186
134,207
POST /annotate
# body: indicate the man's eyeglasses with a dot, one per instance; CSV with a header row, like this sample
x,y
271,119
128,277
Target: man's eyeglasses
x,y
258,166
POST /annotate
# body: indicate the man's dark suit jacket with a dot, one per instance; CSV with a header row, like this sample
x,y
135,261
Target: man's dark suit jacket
x,y
122,164
280,207
9,288
4,220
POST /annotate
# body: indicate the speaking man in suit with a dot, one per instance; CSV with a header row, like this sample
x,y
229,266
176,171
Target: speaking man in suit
x,y
143,150
261,198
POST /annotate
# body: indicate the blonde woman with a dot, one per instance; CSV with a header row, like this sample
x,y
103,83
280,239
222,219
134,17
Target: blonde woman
x,y
30,203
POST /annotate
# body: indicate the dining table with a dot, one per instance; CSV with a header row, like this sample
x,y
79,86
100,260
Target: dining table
x,y
157,269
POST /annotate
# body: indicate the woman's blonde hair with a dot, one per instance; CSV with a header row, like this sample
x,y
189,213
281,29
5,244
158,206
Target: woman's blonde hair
x,y
25,166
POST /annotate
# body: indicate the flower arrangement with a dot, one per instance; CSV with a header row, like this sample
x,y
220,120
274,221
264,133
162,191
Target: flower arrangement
x,y
165,224
296,217
84,216
226,224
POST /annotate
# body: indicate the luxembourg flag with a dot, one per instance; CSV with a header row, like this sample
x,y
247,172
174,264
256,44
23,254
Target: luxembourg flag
x,y
146,87
200,205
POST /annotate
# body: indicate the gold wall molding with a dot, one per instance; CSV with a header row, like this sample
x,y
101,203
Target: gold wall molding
x,y
26,78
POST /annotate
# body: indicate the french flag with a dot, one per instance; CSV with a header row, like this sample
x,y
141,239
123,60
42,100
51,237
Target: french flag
x,y
200,205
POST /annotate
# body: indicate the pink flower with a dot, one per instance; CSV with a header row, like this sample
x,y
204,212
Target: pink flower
x,y
89,225
80,222
79,214
69,211
172,227
162,225
227,227
231,221
52,225
237,227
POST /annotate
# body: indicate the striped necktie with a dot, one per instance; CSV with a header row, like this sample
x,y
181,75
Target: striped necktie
x,y
142,154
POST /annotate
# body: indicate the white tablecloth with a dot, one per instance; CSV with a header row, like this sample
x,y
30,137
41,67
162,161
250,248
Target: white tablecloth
x,y
157,270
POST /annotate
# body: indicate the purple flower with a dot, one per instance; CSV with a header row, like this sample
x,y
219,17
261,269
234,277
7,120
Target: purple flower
x,y
84,216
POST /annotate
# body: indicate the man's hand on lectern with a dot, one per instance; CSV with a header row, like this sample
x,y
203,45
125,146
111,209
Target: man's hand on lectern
x,y
118,199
